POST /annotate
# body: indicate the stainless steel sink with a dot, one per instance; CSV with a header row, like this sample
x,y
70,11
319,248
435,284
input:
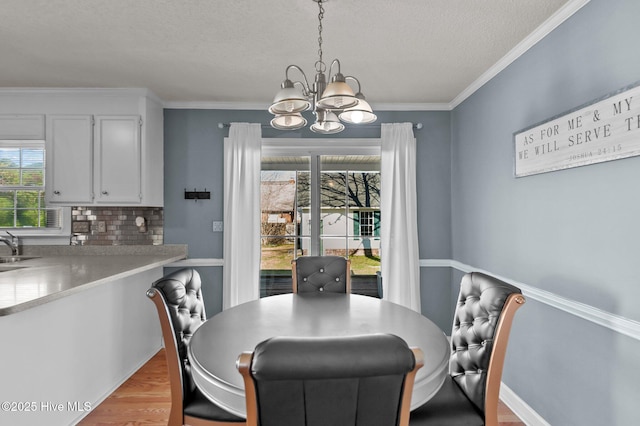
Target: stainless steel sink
x,y
14,259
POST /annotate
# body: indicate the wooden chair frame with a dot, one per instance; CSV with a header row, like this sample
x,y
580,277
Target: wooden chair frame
x,y
294,276
496,362
244,367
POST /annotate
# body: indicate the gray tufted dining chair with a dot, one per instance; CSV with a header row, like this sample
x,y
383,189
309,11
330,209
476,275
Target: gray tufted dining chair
x,y
321,273
178,300
481,326
364,380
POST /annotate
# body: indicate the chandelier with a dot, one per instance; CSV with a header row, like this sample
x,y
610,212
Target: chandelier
x,y
332,103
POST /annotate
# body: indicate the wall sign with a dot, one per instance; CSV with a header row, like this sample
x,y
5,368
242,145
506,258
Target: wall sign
x,y
604,130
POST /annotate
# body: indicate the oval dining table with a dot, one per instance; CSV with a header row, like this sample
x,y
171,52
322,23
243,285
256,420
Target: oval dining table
x,y
215,346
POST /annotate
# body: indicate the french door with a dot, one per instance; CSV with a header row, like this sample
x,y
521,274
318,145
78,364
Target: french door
x,y
320,202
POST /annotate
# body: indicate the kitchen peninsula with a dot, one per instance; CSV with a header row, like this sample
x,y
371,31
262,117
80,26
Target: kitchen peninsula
x,y
76,323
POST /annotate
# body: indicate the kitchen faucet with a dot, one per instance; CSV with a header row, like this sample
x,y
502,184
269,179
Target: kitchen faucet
x,y
14,243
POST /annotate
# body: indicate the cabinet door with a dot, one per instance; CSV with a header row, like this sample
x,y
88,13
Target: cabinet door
x,y
118,159
69,153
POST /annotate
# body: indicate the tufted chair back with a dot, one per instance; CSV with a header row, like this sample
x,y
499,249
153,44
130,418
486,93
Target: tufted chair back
x,y
180,296
178,300
339,381
479,311
482,323
321,273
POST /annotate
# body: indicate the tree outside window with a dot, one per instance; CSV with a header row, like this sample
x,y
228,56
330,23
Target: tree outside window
x,y
22,171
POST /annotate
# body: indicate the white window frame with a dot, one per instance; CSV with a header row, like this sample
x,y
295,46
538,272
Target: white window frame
x,y
65,212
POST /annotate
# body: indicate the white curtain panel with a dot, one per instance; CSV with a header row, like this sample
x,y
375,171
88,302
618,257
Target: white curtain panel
x,y
241,272
400,265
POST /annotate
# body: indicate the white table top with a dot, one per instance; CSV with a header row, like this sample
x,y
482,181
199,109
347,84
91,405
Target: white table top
x,y
215,346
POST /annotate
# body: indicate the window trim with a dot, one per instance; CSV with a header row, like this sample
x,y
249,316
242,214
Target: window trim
x,y
273,147
65,213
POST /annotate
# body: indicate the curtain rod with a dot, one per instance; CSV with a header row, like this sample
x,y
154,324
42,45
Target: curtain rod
x,y
416,126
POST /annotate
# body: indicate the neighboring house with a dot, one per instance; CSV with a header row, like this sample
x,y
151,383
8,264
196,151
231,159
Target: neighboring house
x,y
277,201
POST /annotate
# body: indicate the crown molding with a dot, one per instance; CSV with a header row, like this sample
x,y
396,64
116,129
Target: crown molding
x,y
250,106
215,105
434,106
79,91
564,13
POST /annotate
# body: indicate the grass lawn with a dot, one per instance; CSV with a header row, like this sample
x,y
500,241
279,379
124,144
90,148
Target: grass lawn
x,y
279,258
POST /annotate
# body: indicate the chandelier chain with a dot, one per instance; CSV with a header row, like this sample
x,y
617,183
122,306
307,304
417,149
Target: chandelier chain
x,y
320,66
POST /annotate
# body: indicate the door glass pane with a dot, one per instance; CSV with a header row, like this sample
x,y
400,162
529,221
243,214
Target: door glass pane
x,y
333,203
350,188
364,189
364,229
284,200
303,208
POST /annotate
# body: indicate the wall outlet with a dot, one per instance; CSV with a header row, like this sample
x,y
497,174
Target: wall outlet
x,y
102,226
217,226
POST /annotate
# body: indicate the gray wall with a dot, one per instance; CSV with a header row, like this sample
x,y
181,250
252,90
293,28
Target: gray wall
x,y
574,233
194,159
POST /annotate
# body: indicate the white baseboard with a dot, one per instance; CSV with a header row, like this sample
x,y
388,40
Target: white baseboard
x,y
119,383
520,408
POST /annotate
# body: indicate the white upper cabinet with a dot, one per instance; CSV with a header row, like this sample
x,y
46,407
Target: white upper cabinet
x,y
103,146
22,126
118,161
69,166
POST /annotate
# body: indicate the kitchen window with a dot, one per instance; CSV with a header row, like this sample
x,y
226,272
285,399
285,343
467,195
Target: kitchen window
x,y
22,187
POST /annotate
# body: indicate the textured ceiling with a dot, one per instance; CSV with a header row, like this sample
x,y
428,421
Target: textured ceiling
x,y
236,51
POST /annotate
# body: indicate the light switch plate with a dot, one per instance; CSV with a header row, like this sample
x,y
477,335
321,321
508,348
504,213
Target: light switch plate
x,y
217,226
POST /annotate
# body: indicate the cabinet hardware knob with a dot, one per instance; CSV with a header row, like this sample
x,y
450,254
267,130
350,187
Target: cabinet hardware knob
x,y
105,193
56,192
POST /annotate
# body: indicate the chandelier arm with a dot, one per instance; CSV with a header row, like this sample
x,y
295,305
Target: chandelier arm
x,y
305,86
350,77
331,67
305,90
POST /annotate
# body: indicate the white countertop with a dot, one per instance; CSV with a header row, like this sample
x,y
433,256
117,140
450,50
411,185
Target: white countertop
x,y
49,277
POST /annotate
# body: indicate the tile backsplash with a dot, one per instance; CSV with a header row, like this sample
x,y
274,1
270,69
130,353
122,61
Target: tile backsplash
x,y
117,226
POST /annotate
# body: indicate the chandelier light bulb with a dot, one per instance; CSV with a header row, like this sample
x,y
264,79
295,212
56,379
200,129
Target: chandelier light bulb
x,y
357,117
288,106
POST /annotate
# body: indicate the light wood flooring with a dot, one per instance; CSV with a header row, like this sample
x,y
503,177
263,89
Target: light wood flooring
x,y
144,399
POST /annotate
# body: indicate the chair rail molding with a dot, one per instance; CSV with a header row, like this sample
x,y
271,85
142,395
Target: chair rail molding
x,y
614,322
